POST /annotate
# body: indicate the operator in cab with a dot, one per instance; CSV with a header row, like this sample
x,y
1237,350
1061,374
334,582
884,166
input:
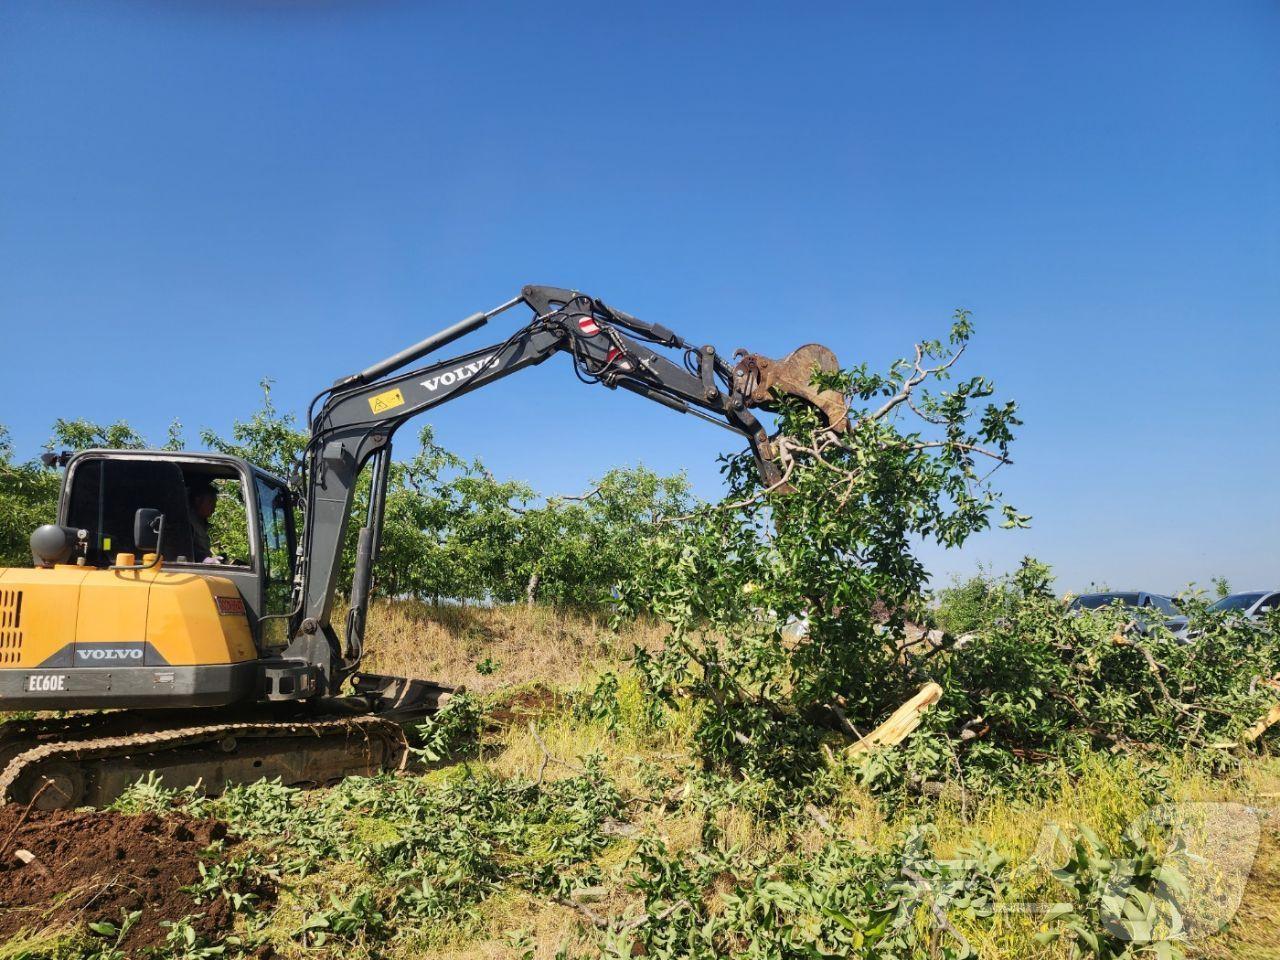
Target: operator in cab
x,y
202,500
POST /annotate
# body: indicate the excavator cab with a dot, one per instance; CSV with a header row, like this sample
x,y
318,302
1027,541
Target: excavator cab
x,y
125,607
254,545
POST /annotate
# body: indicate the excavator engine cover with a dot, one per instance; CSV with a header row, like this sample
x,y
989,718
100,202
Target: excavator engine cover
x,y
75,637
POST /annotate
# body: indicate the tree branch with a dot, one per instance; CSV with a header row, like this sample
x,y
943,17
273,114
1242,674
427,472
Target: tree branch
x,y
548,757
920,375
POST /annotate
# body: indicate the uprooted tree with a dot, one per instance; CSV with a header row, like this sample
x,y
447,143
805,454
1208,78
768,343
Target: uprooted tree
x,y
829,548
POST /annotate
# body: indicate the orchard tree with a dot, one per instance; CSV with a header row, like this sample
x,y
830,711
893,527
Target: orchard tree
x,y
29,490
438,508
580,550
830,548
28,498
82,434
269,439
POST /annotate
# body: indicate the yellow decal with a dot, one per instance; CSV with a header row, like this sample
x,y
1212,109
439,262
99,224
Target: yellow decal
x,y
386,401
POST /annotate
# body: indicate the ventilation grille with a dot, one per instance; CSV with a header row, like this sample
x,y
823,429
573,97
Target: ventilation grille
x,y
10,627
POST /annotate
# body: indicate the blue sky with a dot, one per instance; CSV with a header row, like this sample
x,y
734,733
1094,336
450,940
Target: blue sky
x,y
195,195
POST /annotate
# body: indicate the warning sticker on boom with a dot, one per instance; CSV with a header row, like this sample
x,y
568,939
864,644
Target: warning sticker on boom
x,y
386,401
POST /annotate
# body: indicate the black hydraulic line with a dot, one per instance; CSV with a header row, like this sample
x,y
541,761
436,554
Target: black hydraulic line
x,y
649,393
378,502
367,543
654,332
440,338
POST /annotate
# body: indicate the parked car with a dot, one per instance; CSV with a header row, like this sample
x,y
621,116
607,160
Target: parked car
x,y
1148,610
1252,605
1138,599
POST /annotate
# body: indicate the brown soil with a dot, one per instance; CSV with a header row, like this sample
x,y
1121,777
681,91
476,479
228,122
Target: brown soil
x,y
93,866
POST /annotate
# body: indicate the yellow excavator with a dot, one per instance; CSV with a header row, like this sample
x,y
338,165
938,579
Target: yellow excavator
x,y
134,650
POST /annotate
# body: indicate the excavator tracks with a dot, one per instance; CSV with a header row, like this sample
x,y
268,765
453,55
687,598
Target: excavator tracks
x,y
90,759
94,771
18,736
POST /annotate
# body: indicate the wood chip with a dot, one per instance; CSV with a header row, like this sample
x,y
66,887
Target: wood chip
x,y
29,859
1263,725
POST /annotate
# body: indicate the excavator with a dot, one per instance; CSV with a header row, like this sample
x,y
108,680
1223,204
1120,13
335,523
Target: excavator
x,y
128,652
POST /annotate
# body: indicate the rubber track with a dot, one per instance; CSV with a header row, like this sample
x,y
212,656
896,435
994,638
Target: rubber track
x,y
78,726
99,748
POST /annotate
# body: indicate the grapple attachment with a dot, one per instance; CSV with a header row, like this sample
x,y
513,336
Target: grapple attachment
x,y
761,381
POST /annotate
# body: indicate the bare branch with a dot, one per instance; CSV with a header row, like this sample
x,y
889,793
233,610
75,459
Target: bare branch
x,y
938,913
818,817
936,421
594,491
958,445
597,921
548,757
920,375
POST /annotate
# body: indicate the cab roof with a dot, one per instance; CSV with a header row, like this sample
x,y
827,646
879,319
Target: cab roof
x,y
193,462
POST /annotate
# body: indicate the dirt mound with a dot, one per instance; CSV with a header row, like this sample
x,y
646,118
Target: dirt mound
x,y
92,866
522,704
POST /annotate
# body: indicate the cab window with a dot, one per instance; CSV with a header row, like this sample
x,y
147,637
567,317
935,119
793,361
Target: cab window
x,y
229,525
105,493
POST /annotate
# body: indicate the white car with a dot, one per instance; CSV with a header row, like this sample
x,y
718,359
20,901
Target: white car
x,y
1252,605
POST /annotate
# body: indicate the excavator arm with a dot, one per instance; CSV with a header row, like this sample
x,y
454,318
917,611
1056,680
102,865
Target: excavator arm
x,y
360,414
202,621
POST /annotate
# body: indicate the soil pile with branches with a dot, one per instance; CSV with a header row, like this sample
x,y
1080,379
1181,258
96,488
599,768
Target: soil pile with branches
x,y
126,877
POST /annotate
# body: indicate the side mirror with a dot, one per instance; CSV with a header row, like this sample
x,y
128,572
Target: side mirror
x,y
147,525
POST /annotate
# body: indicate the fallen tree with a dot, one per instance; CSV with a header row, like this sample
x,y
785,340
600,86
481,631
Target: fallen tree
x,y
831,545
1042,679
831,548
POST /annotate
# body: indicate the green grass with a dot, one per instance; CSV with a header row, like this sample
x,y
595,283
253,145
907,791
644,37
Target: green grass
x,y
500,867
1105,794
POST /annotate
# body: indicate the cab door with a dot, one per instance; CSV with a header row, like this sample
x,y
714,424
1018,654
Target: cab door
x,y
276,553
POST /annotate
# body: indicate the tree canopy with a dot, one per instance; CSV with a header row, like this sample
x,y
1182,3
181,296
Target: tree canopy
x,y
453,530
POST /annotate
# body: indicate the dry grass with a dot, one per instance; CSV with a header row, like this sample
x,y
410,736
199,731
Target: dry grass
x,y
528,644
544,656
1254,932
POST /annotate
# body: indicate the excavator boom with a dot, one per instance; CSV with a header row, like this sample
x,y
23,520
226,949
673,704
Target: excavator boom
x,y
119,615
361,413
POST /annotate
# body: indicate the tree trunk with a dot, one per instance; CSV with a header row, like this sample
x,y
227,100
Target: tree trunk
x,y
531,588
901,722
